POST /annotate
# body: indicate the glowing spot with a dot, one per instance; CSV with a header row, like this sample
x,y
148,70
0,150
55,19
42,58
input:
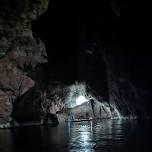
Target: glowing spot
x,y
80,100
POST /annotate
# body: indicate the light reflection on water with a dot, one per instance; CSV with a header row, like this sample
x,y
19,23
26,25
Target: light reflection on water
x,y
81,138
87,136
92,136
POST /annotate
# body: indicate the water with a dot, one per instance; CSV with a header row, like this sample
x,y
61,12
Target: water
x,y
89,136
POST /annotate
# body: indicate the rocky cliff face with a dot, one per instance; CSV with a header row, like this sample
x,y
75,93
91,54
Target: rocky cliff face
x,y
19,51
121,77
129,83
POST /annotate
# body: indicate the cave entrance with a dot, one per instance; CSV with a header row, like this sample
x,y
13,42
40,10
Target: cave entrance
x,y
82,105
70,40
72,53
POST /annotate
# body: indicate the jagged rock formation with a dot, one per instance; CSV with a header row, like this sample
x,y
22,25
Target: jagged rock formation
x,y
25,93
127,83
18,51
122,77
38,106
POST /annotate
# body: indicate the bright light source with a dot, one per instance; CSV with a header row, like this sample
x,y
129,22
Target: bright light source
x,y
80,100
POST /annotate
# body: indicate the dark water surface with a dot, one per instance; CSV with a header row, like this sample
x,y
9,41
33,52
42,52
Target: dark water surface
x,y
93,136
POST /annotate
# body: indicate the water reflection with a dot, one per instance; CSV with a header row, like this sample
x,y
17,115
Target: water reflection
x,y
88,136
81,137
93,136
6,142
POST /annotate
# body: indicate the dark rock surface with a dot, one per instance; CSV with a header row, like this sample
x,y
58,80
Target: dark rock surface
x,y
38,105
129,83
20,52
82,45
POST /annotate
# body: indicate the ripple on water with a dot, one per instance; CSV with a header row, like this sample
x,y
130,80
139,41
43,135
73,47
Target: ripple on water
x,y
87,136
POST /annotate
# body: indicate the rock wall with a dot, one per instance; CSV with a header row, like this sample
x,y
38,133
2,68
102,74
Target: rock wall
x,y
20,52
125,82
123,74
27,95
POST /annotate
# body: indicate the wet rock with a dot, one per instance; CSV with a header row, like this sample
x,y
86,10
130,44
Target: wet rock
x,y
38,106
124,93
27,108
6,107
13,79
15,14
20,52
11,123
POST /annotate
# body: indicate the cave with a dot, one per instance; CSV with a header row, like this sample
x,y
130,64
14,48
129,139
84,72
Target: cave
x,y
74,76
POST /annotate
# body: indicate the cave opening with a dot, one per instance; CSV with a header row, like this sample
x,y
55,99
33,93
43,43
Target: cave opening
x,y
71,40
86,93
